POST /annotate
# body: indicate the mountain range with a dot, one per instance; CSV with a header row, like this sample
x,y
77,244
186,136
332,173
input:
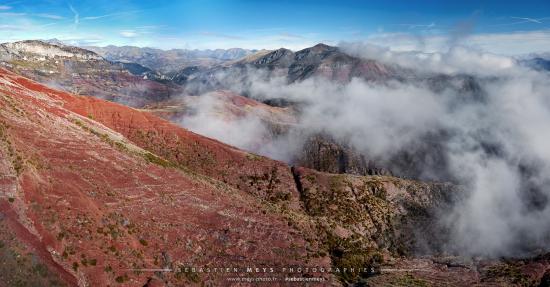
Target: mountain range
x,y
101,184
172,95
170,60
84,72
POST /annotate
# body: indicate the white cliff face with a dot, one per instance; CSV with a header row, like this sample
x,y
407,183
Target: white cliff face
x,y
41,51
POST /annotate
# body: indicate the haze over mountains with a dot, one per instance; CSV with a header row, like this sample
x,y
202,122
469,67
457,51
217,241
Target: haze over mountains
x,y
353,156
170,60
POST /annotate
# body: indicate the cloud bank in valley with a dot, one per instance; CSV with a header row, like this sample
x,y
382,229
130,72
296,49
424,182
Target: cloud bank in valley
x,y
487,118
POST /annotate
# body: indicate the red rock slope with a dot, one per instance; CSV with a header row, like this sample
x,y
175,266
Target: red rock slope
x,y
92,207
93,193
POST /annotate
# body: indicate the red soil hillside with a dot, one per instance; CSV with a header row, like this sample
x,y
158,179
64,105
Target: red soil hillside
x,y
91,206
93,193
254,174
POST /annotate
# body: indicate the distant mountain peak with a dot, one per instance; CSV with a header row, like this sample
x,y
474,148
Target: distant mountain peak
x,y
54,41
172,60
279,56
322,46
49,49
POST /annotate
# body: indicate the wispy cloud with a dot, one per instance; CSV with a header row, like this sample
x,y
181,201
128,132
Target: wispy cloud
x,y
150,27
524,20
109,15
128,33
290,36
85,40
5,7
11,28
12,14
47,25
532,20
76,15
49,16
512,43
97,17
414,26
221,35
26,27
139,31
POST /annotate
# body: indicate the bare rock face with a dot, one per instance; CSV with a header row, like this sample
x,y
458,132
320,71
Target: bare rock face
x,y
323,153
280,58
545,280
367,218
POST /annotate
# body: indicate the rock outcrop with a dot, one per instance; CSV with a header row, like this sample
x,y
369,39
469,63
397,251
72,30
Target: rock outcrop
x,y
321,152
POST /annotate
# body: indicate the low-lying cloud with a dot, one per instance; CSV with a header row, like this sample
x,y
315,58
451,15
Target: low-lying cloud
x,y
208,118
487,117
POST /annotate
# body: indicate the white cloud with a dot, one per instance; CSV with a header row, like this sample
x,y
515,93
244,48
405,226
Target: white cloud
x,y
97,17
12,14
50,16
511,43
11,28
76,19
220,35
246,132
128,33
495,143
456,60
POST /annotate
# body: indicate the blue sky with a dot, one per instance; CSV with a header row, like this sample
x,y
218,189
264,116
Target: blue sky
x,y
498,26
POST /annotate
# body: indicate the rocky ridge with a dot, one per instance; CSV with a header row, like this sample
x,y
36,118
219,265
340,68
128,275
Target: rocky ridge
x,y
84,72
